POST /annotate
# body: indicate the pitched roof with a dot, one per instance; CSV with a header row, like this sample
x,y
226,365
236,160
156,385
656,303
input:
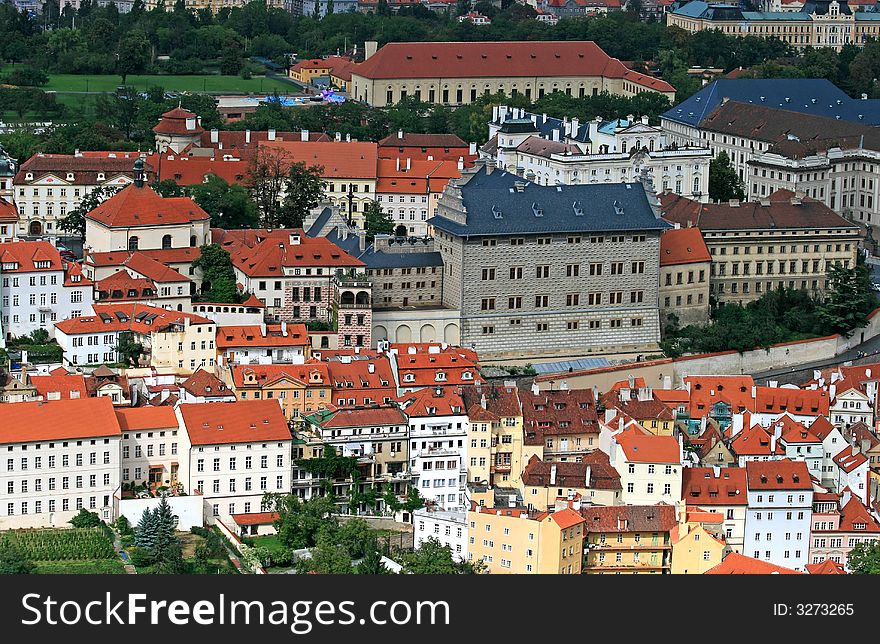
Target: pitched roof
x,y
784,474
192,170
8,212
243,421
855,512
62,383
566,518
450,60
755,441
28,422
683,246
780,213
737,564
700,485
557,413
25,254
500,402
137,317
175,122
422,176
339,159
85,167
142,206
268,257
629,518
415,140
205,384
311,373
821,427
849,461
372,416
649,449
135,419
255,518
706,391
569,474
266,335
802,402
431,402
244,142
827,567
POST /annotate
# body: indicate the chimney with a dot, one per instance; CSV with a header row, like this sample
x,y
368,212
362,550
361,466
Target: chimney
x,y
460,164
303,135
587,476
644,120
397,164
215,136
371,367
399,134
716,471
271,135
362,240
247,136
294,239
191,123
338,137
733,203
408,163
348,138
553,474
490,166
483,401
472,149
370,47
535,389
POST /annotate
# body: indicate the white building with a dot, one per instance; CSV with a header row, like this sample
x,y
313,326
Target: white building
x,y
449,528
553,151
152,445
849,405
38,288
851,472
779,514
438,427
262,343
61,456
239,451
649,467
48,186
832,443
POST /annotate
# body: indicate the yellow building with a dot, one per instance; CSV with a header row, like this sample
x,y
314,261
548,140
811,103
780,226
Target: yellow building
x,y
458,73
301,389
511,540
695,546
495,435
628,539
184,343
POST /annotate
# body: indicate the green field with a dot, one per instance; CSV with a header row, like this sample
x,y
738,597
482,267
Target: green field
x,y
207,83
74,567
67,551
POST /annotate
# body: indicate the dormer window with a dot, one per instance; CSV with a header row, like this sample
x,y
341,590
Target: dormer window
x,y
42,264
409,377
100,176
440,376
70,176
467,375
10,266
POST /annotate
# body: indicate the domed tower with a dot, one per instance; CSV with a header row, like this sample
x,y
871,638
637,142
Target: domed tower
x,y
177,129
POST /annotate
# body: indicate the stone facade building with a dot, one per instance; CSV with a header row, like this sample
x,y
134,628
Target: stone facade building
x,y
538,270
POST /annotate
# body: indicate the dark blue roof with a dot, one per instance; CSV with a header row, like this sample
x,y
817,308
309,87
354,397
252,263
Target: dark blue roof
x,y
495,207
379,259
816,96
545,126
320,222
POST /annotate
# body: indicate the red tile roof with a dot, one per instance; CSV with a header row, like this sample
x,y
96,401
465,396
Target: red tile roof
x,y
629,518
205,384
801,402
133,206
121,287
432,401
8,213
414,140
354,379
699,485
683,246
131,319
186,170
557,413
255,518
63,383
649,449
244,421
25,254
821,427
755,441
174,122
827,567
85,168
269,374
566,518
255,335
363,417
778,475
847,461
244,142
707,390
267,258
423,176
501,402
855,512
339,159
135,419
570,474
737,564
451,60
58,420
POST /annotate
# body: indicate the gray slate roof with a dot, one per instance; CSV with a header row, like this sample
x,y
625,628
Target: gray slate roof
x,y
604,207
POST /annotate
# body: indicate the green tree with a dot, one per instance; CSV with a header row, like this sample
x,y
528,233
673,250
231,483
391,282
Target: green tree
x,y
435,558
355,536
218,275
231,60
849,300
85,519
414,499
372,564
12,562
39,336
129,350
74,222
299,522
327,558
378,222
230,206
863,559
146,532
169,188
132,54
304,189
724,183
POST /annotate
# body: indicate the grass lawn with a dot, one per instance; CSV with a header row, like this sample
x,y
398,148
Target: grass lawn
x,y
80,567
204,83
269,542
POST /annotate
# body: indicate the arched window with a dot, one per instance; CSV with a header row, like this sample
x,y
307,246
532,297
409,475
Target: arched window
x,y
133,243
166,242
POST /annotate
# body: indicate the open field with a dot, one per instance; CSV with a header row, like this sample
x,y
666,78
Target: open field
x,y
80,567
70,551
205,83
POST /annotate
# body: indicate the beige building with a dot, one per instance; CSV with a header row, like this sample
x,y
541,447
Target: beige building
x,y
628,539
684,276
457,73
495,435
513,541
756,247
696,547
592,479
184,344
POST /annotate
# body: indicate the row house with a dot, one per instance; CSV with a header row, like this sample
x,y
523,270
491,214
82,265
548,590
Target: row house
x,y
263,344
800,405
299,389
361,380
639,405
236,453
851,472
438,450
515,541
152,447
697,542
48,186
62,456
495,448
408,190
650,467
559,425
418,366
39,288
426,147
757,444
779,513
685,265
628,539
840,522
123,276
592,480
722,490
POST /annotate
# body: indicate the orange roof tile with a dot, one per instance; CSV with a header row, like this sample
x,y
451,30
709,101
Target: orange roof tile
x,y
133,206
63,383
244,421
339,159
312,373
737,564
827,567
187,170
432,401
649,449
142,418
801,402
700,485
755,441
847,461
255,335
137,317
203,383
21,256
566,518
706,391
363,417
268,257
58,420
778,475
683,246
255,518
8,212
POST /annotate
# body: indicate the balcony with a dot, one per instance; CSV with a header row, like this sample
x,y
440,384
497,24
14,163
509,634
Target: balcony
x,y
503,469
611,545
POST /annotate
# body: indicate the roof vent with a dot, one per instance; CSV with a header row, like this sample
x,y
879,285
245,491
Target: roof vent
x,y
519,186
618,207
539,212
496,211
578,209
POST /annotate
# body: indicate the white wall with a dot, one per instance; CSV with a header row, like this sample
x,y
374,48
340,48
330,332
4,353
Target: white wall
x,y
188,510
